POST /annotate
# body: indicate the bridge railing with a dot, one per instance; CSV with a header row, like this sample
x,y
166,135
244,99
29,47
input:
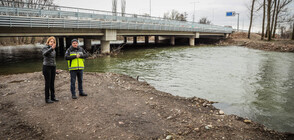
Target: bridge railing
x,y
38,15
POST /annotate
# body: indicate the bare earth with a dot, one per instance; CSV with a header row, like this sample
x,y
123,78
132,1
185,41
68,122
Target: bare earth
x,y
118,107
255,42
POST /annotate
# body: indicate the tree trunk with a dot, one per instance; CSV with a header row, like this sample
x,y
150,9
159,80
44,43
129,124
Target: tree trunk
x,y
263,20
273,17
251,17
269,19
276,19
293,31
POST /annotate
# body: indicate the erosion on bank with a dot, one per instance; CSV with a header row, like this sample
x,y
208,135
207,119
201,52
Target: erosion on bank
x,y
118,107
255,42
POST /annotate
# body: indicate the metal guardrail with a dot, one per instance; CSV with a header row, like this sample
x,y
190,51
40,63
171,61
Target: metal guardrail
x,y
69,17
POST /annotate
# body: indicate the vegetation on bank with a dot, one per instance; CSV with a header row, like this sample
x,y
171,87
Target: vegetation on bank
x,y
240,39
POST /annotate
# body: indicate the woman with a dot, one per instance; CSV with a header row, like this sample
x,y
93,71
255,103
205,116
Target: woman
x,y
49,68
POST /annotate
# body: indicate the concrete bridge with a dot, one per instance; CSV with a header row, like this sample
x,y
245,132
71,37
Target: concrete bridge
x,y
66,23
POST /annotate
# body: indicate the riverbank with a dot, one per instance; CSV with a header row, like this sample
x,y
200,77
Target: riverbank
x,y
240,39
118,107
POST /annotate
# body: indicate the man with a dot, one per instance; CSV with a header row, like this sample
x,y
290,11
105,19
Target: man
x,y
75,56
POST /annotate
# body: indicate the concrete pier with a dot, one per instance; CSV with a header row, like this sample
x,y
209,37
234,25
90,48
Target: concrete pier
x,y
61,46
192,41
87,44
135,40
156,39
109,35
105,47
125,39
68,42
172,40
146,40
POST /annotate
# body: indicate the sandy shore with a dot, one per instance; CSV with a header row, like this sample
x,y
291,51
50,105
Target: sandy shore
x,y
118,107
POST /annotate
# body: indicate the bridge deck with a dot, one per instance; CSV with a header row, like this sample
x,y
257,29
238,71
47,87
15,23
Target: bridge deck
x,y
67,17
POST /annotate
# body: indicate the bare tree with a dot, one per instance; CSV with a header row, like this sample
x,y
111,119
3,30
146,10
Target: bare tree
x,y
35,4
175,15
276,19
281,7
269,2
273,16
204,20
251,17
293,32
123,7
114,7
263,19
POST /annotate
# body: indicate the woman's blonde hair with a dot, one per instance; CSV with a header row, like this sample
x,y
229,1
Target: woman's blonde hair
x,y
50,38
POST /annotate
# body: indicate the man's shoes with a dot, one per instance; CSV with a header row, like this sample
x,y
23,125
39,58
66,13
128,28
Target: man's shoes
x,y
83,94
48,101
54,100
74,97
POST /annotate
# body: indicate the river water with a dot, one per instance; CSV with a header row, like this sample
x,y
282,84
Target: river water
x,y
255,84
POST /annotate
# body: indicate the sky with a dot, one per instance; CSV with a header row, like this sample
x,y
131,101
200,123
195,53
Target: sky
x,y
214,10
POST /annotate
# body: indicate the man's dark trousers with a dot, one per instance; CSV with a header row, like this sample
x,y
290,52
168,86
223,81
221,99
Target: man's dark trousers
x,y
73,75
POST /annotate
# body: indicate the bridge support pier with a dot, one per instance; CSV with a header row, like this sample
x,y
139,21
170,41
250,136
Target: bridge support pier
x,y
61,46
156,39
68,42
135,39
172,40
87,44
105,47
57,45
192,41
109,35
146,40
125,39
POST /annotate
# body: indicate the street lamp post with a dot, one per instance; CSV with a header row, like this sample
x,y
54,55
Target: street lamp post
x,y
194,10
150,8
238,22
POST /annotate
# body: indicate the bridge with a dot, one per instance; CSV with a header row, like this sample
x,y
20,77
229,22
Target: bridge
x,y
65,23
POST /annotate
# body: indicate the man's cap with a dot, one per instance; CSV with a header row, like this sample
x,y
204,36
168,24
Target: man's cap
x,y
74,40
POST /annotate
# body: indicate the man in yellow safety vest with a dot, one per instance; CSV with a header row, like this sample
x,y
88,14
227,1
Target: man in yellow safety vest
x,y
75,56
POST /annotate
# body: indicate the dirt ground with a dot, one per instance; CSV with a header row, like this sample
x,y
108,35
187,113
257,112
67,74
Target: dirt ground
x,y
117,107
255,42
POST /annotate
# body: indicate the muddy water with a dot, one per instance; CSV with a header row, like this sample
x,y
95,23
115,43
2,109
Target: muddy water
x,y
250,83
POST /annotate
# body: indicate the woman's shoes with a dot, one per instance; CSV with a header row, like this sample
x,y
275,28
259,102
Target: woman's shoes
x,y
48,101
74,97
54,100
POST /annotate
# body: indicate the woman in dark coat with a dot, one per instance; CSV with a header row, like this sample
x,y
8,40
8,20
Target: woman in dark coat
x,y
49,69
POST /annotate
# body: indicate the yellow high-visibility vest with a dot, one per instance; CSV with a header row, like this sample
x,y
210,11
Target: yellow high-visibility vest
x,y
76,64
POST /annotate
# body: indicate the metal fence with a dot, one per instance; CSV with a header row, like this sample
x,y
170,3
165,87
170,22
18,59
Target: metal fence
x,y
52,16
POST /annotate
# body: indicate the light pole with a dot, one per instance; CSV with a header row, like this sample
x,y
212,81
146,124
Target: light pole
x,y
238,22
150,8
194,10
232,14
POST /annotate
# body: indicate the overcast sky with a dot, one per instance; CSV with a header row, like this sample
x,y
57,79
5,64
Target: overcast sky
x,y
214,10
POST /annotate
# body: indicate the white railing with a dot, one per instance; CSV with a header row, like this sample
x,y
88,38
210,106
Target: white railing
x,y
52,16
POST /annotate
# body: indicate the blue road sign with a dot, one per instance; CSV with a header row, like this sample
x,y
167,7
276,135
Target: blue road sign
x,y
230,14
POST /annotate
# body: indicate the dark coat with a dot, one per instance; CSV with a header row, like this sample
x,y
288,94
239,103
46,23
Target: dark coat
x,y
79,50
49,55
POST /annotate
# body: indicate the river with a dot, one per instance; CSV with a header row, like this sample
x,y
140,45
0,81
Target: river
x,y
258,85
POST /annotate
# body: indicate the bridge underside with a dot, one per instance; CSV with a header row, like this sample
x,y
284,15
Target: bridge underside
x,y
38,32
105,35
